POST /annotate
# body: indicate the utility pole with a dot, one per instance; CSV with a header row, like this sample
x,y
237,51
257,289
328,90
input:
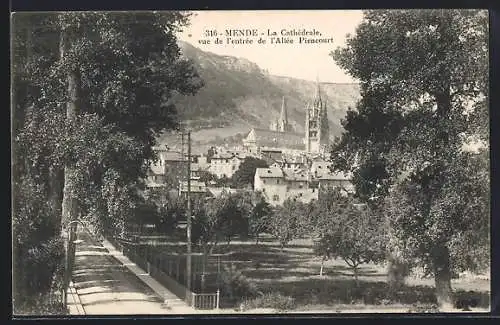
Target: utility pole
x,y
188,228
182,159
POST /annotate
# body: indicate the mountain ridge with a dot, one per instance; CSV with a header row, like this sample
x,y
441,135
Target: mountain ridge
x,y
239,95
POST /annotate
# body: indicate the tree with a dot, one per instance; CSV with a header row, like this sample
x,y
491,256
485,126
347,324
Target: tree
x,y
323,219
162,209
287,221
352,233
91,92
245,174
238,221
424,84
260,216
211,222
104,60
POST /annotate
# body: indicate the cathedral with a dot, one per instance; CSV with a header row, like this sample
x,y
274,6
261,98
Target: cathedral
x,y
281,135
281,124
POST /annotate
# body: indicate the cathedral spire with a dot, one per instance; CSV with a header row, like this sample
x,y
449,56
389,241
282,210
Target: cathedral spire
x,y
318,102
283,115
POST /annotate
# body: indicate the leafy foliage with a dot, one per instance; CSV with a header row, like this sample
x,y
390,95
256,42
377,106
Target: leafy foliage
x,y
219,218
235,286
288,221
124,70
354,233
273,300
37,253
424,86
260,216
245,174
459,216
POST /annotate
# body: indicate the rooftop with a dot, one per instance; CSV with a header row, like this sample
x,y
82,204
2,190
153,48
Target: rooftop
x,y
274,139
223,155
335,176
272,172
296,177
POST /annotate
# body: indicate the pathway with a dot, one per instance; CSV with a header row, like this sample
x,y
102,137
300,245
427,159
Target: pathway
x,y
106,282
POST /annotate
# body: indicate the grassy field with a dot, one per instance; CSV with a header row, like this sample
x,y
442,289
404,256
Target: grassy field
x,y
294,272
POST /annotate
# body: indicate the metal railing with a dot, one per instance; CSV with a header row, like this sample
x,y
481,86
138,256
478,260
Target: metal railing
x,y
166,271
206,300
175,287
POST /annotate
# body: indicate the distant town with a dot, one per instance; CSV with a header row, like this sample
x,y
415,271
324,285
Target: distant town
x,y
297,164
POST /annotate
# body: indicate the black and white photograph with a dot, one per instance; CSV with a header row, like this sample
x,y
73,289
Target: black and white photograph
x,y
250,162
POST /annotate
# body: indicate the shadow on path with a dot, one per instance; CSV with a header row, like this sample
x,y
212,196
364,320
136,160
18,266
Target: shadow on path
x,y
105,286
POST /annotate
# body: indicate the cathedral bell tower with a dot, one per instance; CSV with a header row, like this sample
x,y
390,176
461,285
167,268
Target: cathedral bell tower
x,y
316,128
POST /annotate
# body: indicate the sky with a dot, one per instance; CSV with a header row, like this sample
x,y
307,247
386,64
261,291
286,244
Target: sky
x,y
305,61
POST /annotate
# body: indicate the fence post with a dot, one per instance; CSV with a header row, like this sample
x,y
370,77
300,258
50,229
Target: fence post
x,y
217,299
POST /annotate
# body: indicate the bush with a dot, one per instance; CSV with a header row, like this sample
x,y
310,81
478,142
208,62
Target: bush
x,y
41,304
273,300
426,308
397,271
236,286
38,275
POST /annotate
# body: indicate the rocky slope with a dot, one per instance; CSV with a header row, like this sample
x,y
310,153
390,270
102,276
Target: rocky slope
x,y
239,95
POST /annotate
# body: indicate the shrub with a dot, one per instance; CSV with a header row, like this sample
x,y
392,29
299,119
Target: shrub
x,y
38,276
426,308
397,271
41,304
235,286
273,300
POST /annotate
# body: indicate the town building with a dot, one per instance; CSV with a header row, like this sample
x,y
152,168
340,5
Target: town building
x,y
270,181
170,169
323,177
203,162
258,139
271,155
225,164
302,180
197,188
167,170
277,186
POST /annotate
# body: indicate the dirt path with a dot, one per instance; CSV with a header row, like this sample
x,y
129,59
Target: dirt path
x,y
105,286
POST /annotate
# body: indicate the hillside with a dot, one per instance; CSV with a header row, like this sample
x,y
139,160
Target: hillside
x,y
238,95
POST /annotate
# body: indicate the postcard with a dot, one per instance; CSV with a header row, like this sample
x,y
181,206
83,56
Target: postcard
x,y
250,162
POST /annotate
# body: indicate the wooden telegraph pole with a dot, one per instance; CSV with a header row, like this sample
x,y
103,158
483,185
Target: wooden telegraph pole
x,y
188,213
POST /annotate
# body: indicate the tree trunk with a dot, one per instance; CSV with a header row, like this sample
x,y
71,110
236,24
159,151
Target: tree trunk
x,y
321,269
356,279
442,276
69,202
55,193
